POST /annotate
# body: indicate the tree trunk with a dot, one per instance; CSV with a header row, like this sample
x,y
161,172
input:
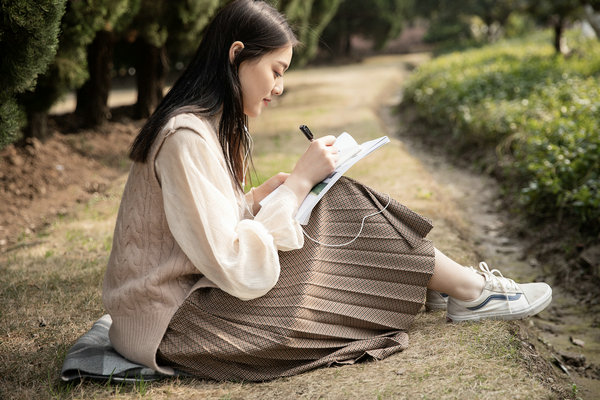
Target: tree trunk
x,y
558,33
37,125
92,98
151,70
346,44
593,18
343,44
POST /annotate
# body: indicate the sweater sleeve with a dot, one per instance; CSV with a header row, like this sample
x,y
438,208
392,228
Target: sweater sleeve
x,y
238,255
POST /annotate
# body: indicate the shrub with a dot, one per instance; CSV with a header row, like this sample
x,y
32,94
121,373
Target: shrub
x,y
539,113
28,40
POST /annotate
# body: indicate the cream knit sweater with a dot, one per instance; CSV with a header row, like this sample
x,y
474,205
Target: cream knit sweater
x,y
181,226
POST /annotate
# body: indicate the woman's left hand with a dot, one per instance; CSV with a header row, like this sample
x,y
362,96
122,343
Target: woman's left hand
x,y
262,191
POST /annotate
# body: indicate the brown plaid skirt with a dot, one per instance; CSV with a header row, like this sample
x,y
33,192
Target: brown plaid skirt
x,y
331,305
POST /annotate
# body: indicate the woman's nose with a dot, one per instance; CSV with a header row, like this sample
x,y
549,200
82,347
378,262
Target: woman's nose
x,y
278,88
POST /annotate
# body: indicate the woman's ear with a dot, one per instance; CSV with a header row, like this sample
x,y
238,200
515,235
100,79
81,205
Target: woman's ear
x,y
235,49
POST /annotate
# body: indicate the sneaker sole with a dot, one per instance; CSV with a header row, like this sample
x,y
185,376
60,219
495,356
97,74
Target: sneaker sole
x,y
533,309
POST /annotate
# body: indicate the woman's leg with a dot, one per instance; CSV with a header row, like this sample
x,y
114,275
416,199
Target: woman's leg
x,y
454,279
485,294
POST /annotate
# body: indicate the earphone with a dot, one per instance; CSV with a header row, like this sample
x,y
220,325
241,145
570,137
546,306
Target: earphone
x,y
362,225
248,151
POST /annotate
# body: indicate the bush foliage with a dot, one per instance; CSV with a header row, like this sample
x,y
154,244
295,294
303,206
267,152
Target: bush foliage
x,y
537,111
28,41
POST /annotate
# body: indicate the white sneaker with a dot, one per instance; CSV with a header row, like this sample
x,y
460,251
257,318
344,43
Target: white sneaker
x,y
436,301
502,298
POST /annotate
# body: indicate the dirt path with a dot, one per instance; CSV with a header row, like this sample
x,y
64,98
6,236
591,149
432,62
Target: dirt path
x,y
569,330
51,278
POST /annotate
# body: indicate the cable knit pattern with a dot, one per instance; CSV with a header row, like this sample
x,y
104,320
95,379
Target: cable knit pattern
x,y
186,233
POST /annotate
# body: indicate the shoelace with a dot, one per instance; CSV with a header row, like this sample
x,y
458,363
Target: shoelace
x,y
498,280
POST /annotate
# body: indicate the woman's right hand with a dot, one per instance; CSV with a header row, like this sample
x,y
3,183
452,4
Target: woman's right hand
x,y
316,164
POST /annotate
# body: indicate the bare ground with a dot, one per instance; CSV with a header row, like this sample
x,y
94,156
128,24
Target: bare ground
x,y
61,199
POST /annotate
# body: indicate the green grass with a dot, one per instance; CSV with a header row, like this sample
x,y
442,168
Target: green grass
x,y
527,113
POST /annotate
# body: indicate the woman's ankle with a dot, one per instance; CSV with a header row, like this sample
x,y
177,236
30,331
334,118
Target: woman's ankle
x,y
472,289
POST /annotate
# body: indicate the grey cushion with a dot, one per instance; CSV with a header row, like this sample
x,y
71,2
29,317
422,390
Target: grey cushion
x,y
93,357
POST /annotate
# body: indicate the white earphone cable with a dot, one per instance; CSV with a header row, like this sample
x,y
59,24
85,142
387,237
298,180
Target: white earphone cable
x,y
248,151
362,224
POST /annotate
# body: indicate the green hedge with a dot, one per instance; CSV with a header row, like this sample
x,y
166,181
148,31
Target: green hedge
x,y
537,111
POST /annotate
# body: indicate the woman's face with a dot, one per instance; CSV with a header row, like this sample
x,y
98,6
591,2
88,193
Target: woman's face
x,y
262,79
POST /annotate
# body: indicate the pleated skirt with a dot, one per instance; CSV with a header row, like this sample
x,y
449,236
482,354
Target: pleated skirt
x,y
335,302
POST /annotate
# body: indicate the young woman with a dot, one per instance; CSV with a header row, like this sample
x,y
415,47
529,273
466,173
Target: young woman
x,y
202,279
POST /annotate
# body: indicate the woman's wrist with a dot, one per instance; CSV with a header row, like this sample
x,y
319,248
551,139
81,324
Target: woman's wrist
x,y
299,186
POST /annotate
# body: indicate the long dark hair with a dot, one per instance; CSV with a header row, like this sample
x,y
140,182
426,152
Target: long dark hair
x,y
210,84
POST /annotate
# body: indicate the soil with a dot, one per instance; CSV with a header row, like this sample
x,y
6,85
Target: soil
x,y
42,180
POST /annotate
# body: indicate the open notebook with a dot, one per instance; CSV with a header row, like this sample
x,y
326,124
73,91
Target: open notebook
x,y
350,152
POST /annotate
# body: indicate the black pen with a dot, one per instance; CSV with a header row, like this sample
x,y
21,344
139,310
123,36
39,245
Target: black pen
x,y
306,132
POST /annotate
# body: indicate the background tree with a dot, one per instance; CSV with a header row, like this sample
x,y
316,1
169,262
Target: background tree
x,y
68,71
155,23
591,10
379,20
466,22
308,18
92,97
494,14
28,42
556,13
188,20
449,20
